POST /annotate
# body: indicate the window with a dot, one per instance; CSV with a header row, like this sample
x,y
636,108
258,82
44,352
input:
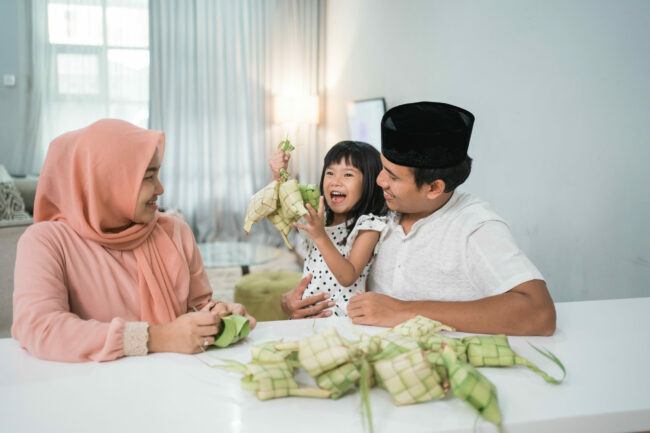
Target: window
x,y
100,61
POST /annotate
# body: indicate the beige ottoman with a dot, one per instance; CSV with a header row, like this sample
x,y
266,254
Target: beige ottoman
x,y
261,293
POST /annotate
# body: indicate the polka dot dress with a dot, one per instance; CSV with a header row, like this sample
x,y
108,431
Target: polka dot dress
x,y
323,279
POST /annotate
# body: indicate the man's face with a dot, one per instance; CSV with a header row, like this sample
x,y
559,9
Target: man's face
x,y
400,191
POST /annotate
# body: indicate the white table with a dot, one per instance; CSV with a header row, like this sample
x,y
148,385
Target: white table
x,y
604,345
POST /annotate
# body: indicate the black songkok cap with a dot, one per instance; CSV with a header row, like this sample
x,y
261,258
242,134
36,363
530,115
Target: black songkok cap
x,y
426,134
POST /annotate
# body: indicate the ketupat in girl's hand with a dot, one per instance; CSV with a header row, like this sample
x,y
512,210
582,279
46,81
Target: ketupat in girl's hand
x,y
314,225
279,160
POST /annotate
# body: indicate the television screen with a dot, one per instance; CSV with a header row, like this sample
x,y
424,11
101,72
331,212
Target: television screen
x,y
364,120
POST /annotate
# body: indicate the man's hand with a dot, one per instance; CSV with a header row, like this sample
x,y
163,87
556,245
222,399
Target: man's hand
x,y
377,310
297,308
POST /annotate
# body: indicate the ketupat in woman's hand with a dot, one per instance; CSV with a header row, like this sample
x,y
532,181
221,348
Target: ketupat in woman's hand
x,y
188,333
314,224
192,332
234,308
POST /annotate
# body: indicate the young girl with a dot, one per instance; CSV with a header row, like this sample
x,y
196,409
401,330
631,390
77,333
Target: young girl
x,y
353,208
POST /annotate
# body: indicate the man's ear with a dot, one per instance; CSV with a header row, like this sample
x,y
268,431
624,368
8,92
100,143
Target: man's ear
x,y
435,188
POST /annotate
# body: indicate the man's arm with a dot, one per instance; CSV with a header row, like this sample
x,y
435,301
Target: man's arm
x,y
526,309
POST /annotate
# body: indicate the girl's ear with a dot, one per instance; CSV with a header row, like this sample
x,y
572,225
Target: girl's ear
x,y
435,188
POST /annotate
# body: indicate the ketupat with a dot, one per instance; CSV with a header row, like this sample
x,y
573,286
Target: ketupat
x,y
282,202
410,364
420,326
323,352
268,353
468,384
291,204
261,205
495,351
409,378
340,380
310,194
276,380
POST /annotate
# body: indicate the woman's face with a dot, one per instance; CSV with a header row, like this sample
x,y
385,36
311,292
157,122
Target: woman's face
x,y
342,187
150,189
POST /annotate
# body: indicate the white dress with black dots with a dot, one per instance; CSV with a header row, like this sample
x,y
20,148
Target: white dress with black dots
x,y
322,278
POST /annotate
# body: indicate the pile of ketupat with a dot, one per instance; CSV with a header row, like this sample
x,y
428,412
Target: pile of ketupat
x,y
412,361
282,201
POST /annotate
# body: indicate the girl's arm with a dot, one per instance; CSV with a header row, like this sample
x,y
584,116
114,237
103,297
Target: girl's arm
x,y
345,270
279,159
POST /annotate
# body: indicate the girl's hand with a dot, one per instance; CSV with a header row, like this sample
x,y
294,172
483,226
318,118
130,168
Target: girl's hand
x,y
314,225
278,160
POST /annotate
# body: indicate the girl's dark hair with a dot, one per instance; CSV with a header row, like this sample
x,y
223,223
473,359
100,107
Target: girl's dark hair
x,y
366,159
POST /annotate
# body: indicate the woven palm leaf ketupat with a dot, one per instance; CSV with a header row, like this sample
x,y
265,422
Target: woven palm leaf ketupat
x,y
323,352
276,380
420,326
261,205
340,380
412,361
495,351
409,378
267,353
472,387
310,194
282,202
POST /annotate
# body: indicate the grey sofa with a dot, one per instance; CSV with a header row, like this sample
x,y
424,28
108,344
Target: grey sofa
x,y
10,231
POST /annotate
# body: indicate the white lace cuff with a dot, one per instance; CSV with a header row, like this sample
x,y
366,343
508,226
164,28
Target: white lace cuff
x,y
136,335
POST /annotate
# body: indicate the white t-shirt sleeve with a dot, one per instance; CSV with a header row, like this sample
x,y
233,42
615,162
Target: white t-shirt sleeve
x,y
494,261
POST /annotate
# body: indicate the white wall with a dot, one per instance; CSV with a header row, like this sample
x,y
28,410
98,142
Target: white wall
x,y
561,95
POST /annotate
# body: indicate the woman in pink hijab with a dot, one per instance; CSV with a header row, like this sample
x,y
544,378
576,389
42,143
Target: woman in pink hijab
x,y
101,274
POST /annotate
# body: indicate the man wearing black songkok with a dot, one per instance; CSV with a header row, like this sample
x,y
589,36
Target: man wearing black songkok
x,y
445,255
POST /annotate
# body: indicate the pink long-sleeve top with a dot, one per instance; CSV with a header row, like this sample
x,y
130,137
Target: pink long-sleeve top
x,y
74,298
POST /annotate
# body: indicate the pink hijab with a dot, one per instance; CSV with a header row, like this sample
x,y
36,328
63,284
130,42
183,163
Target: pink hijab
x,y
91,180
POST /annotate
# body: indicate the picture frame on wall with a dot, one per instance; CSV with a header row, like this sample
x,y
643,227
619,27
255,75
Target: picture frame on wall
x,y
364,120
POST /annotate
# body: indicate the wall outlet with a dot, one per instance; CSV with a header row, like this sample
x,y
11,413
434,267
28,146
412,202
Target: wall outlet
x,y
9,80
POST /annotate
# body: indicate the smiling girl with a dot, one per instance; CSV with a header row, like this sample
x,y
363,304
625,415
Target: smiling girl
x,y
345,230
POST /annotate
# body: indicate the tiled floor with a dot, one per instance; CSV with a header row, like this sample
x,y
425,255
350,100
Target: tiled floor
x,y
223,280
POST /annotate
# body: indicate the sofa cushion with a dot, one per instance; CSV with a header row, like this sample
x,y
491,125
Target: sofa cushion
x,y
10,231
262,292
12,206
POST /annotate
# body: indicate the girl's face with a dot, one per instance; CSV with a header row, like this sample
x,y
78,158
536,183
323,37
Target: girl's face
x,y
150,189
342,186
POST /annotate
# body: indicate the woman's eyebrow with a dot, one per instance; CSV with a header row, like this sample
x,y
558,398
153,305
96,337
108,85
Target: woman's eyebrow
x,y
153,168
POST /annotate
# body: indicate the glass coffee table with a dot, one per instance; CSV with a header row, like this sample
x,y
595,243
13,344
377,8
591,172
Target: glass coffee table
x,y
236,254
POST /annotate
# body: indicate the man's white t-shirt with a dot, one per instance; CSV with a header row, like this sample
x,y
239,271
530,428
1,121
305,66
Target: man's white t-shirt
x,y
461,252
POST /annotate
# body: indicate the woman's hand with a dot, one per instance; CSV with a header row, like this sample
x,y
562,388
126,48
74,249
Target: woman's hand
x,y
188,333
297,308
192,332
235,308
278,160
314,225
